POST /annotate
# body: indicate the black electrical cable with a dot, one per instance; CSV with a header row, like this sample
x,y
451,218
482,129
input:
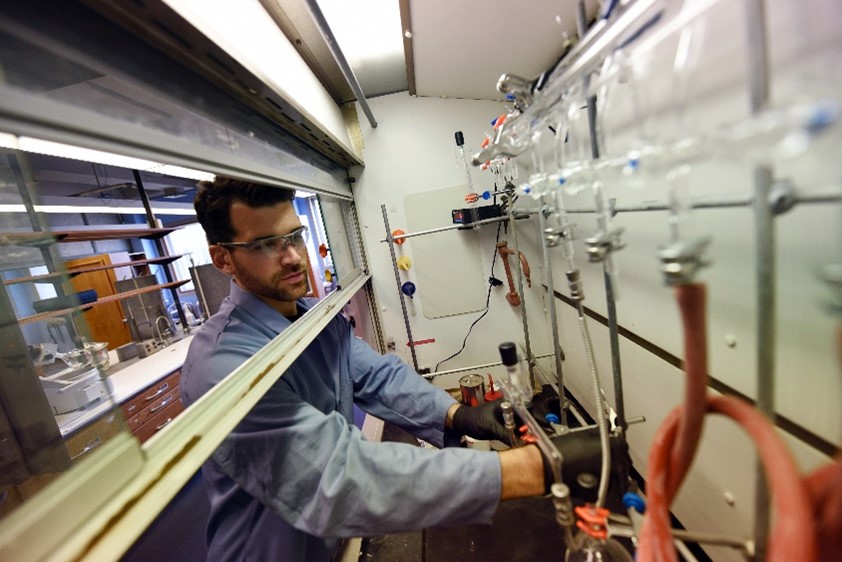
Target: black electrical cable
x,y
487,301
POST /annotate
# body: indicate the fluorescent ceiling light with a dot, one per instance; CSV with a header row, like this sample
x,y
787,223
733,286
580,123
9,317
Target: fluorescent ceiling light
x,y
180,172
61,150
8,141
380,20
38,146
99,209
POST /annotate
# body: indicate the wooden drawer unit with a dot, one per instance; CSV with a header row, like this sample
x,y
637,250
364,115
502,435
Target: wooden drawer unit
x,y
92,436
147,410
158,421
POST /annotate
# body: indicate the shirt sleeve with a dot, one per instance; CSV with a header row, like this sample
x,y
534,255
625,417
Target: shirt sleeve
x,y
322,477
386,387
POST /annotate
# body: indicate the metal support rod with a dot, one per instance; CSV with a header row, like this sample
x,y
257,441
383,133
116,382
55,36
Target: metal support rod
x,y
431,376
446,228
759,84
827,195
162,251
548,269
745,545
530,360
339,57
611,303
398,285
830,195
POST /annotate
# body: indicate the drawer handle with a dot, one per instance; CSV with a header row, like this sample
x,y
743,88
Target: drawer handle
x,y
161,389
91,445
159,406
163,424
131,408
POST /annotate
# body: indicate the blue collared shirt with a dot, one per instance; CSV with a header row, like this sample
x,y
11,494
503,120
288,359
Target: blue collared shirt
x,y
296,475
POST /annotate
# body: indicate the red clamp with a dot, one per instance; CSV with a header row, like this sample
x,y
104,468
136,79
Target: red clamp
x,y
471,198
527,437
593,520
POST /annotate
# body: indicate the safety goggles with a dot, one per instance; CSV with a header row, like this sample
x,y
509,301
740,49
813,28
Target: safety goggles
x,y
272,246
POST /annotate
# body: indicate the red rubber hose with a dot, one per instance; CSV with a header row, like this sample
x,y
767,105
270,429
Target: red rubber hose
x,y
793,536
691,303
825,488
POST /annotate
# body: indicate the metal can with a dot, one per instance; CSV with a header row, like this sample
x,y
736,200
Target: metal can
x,y
473,389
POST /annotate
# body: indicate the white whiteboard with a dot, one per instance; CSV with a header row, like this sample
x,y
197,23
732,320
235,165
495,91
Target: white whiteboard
x,y
447,268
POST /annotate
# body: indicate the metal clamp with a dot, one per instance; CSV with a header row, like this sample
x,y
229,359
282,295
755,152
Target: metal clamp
x,y
681,260
603,243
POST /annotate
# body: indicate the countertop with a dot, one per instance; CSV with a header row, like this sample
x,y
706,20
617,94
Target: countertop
x,y
126,382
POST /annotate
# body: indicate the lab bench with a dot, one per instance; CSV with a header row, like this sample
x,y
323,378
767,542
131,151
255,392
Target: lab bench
x,y
147,393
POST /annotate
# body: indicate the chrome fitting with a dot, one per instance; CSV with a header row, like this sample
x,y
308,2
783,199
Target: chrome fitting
x,y
681,260
574,281
603,243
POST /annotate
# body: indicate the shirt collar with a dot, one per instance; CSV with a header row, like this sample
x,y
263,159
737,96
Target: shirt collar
x,y
261,310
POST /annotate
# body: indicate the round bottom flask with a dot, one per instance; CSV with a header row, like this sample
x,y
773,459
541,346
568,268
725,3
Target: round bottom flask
x,y
589,549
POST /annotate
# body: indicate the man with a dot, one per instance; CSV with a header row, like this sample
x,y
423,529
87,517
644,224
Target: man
x,y
296,475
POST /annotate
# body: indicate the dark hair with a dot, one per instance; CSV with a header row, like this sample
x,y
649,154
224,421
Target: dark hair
x,y
214,199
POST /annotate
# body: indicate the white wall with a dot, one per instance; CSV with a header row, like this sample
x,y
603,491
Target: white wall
x,y
412,151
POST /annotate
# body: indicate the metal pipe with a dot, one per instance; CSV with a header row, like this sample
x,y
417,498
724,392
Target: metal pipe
x,y
611,303
446,228
430,376
759,85
745,545
828,195
548,268
339,57
398,284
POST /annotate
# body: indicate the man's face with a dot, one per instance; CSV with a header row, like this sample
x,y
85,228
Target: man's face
x,y
279,277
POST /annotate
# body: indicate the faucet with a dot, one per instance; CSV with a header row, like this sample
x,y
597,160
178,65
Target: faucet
x,y
167,333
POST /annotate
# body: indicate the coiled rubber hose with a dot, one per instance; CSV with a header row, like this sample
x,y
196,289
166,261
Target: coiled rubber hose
x,y
795,533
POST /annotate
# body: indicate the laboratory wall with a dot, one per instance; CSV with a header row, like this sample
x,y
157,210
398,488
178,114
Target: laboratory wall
x,y
411,158
688,79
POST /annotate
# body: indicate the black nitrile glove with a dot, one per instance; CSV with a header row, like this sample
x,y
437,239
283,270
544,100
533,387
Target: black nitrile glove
x,y
582,455
481,422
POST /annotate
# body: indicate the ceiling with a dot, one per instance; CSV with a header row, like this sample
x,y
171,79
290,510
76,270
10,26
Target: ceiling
x,y
460,49
432,48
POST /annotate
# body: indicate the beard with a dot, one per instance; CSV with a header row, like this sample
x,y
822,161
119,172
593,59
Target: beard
x,y
275,287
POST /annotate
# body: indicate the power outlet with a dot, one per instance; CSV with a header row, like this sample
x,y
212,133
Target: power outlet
x,y
146,348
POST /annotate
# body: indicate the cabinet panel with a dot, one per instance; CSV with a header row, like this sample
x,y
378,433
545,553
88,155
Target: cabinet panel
x,y
92,436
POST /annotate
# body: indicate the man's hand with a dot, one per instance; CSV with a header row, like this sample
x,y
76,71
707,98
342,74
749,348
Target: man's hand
x,y
481,422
